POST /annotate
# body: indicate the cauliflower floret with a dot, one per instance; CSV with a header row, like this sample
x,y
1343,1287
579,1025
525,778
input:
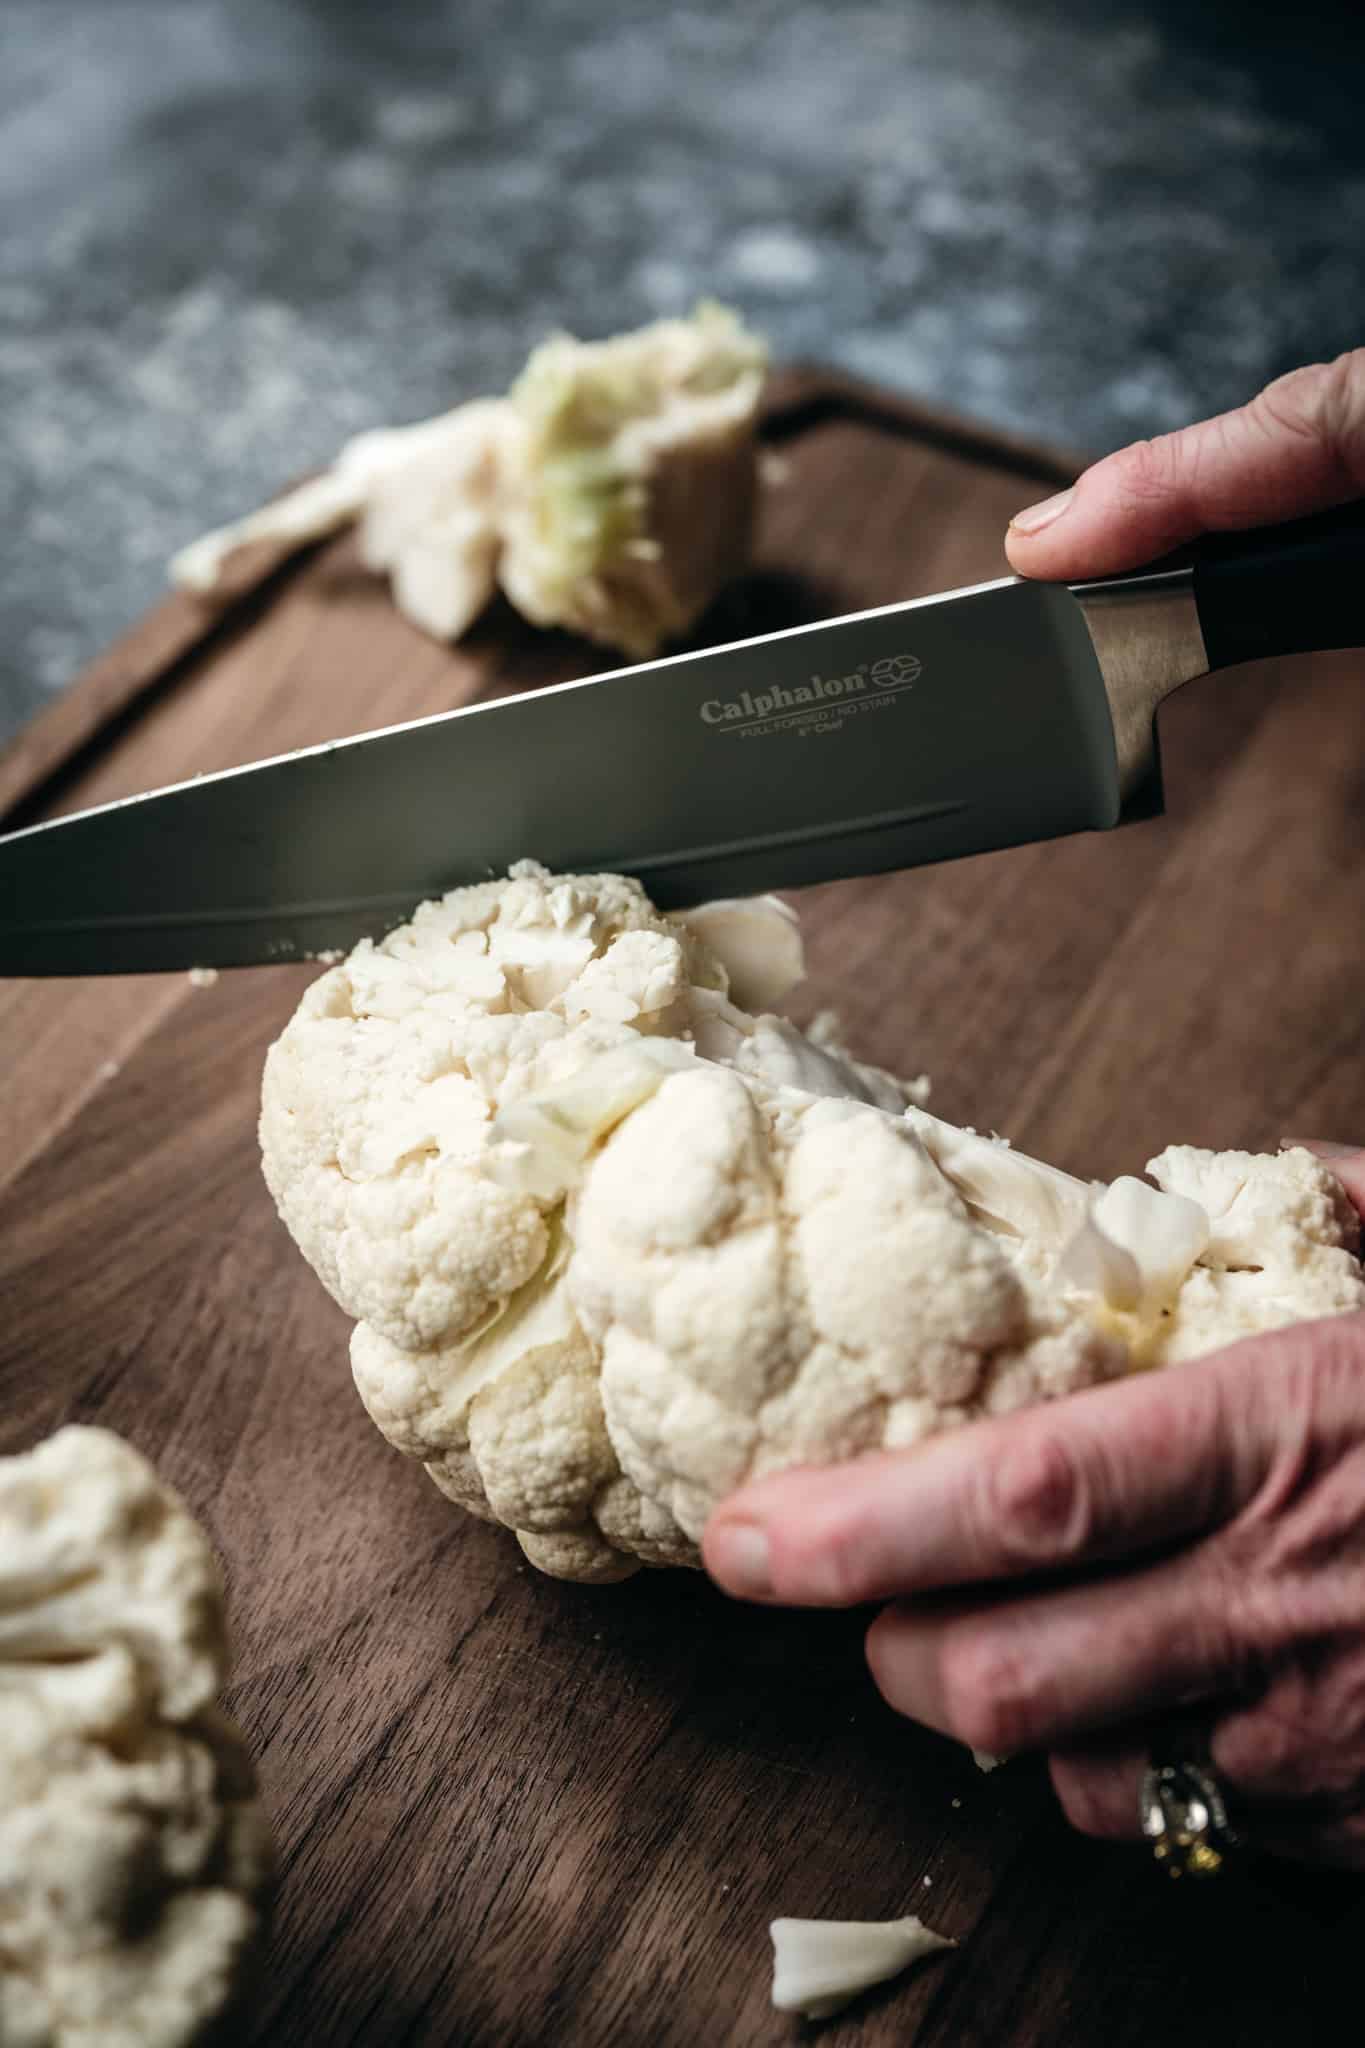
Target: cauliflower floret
x,y
133,1856
612,491
1282,1248
616,1244
377,1098
769,1291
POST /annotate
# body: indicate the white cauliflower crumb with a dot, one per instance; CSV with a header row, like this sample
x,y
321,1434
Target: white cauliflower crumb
x,y
202,977
134,1859
612,491
616,1244
819,1966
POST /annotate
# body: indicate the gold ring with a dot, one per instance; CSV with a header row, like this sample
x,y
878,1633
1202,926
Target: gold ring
x,y
1185,1818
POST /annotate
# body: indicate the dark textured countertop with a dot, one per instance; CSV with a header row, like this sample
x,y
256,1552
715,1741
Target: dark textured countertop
x,y
236,231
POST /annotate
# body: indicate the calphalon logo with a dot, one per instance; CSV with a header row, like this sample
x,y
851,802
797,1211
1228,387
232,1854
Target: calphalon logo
x,y
820,704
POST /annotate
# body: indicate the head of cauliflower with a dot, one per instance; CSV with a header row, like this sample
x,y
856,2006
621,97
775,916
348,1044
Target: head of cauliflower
x,y
615,1243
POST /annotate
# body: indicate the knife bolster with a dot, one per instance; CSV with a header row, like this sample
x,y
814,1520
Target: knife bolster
x,y
1147,639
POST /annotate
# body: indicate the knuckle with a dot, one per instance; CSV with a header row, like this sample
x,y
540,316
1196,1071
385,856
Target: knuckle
x,y
1301,1426
1039,1507
1234,1621
1244,1622
1273,1749
991,1696
1146,472
1306,1738
1258,1747
1323,403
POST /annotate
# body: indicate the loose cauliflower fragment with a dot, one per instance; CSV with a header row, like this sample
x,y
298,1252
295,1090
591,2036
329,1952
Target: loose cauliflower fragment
x,y
612,491
820,1966
616,1244
133,1855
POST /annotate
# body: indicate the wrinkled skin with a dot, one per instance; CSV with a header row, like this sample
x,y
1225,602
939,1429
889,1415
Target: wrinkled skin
x,y
1195,1536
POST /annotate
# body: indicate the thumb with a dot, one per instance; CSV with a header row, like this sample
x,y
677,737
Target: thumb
x,y
1298,447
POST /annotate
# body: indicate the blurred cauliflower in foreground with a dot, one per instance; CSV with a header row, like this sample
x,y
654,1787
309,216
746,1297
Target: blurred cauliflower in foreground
x,y
611,492
616,1243
133,1855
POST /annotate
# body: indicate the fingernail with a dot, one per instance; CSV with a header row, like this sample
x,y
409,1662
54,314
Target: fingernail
x,y
1034,518
738,1557
1325,1148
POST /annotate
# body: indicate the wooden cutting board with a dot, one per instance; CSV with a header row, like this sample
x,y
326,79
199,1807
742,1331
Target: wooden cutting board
x,y
513,1812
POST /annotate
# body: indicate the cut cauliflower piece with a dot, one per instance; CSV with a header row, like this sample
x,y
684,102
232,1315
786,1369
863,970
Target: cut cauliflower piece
x,y
635,493
612,491
616,1244
134,1858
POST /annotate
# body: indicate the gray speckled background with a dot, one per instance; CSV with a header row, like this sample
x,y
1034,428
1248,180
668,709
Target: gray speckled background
x,y
235,231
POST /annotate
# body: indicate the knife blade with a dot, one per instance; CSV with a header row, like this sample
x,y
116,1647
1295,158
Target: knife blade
x,y
906,734
916,732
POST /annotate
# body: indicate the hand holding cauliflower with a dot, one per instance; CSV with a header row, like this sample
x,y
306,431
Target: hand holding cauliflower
x,y
617,1245
133,1855
612,491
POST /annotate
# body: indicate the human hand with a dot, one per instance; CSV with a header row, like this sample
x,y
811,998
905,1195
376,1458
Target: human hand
x,y
1298,447
1066,1576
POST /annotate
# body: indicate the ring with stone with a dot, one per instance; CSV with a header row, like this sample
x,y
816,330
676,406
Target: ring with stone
x,y
1184,1815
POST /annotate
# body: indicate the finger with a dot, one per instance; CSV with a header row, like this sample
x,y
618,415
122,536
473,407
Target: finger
x,y
1039,1671
1298,447
1302,1741
1105,1474
1347,1162
1099,1785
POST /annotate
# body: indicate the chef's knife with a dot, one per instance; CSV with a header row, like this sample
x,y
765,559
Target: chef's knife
x,y
950,725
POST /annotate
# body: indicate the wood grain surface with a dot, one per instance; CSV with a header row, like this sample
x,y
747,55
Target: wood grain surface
x,y
511,1812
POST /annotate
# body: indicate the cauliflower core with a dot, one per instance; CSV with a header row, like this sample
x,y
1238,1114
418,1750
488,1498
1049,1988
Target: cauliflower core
x,y
133,1855
616,1244
612,491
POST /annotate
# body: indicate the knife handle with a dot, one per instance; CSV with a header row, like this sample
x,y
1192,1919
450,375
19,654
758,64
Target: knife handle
x,y
1289,589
